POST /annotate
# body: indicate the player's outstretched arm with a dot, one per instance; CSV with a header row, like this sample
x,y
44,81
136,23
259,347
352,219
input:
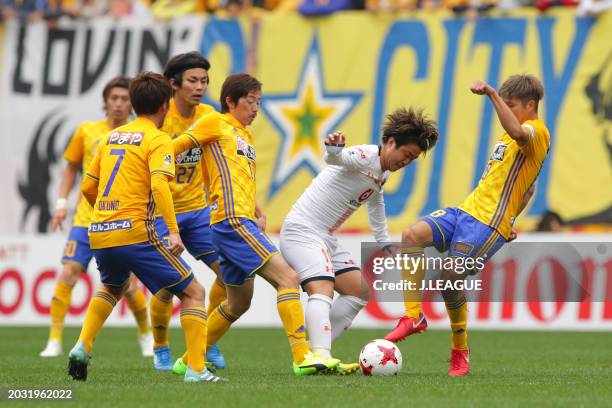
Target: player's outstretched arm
x,y
507,119
206,130
183,143
163,199
377,218
61,205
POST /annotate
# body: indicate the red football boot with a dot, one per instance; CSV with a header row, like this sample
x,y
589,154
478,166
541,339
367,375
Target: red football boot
x,y
459,363
407,326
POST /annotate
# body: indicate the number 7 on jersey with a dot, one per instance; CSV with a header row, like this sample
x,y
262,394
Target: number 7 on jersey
x,y
115,152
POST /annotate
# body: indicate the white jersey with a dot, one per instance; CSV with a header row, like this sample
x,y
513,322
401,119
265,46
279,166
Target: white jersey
x,y
353,177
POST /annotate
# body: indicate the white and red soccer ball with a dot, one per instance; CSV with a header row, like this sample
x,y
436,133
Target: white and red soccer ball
x,y
380,357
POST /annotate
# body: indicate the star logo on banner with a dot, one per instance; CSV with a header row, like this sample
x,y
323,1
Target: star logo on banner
x,y
304,118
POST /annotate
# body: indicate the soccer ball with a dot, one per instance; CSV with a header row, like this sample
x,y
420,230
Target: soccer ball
x,y
380,357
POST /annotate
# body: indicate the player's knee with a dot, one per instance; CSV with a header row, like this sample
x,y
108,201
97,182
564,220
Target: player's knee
x,y
70,274
288,280
239,306
194,293
409,236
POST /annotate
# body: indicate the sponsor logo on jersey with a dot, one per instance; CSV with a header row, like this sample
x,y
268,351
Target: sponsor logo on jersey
x,y
110,226
191,156
121,138
167,160
365,195
499,152
244,149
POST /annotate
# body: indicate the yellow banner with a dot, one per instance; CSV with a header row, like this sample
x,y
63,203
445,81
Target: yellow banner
x,y
346,71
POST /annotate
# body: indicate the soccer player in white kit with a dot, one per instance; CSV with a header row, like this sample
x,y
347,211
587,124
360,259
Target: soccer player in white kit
x,y
354,176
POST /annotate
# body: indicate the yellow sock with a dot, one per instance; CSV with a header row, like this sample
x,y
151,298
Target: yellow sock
x,y
137,303
59,307
100,307
412,298
457,313
291,313
161,312
193,322
219,322
217,295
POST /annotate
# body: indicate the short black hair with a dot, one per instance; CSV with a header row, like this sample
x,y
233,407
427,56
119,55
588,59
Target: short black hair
x,y
182,62
148,92
410,126
117,82
237,86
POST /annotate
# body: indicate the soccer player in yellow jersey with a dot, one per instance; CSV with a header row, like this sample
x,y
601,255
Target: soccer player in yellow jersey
x,y
77,253
188,75
245,250
126,181
483,223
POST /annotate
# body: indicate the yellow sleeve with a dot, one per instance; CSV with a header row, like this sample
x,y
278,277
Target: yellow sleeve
x,y
74,150
91,180
161,155
163,199
538,143
206,129
89,188
93,171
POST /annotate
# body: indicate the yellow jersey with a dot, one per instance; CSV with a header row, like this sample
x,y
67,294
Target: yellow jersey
x,y
125,160
229,164
510,172
188,186
81,150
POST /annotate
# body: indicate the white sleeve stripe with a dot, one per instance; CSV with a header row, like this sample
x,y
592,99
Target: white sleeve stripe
x,y
530,129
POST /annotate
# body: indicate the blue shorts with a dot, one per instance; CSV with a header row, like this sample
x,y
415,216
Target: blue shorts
x,y
243,249
194,227
462,235
77,249
151,262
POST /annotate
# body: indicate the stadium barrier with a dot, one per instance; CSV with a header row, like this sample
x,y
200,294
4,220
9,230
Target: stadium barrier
x,y
29,265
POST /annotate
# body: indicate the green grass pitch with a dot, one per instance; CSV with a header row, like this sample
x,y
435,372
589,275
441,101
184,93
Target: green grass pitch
x,y
509,368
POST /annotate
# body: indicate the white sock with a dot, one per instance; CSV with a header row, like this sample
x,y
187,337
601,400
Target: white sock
x,y
343,312
318,324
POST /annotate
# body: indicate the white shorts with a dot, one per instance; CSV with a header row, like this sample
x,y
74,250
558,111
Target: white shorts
x,y
314,255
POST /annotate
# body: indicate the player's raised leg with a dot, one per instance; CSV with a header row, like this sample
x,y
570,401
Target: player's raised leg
x,y
414,240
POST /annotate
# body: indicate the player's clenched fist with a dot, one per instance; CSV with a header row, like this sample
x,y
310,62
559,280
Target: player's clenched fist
x,y
175,244
336,138
480,87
